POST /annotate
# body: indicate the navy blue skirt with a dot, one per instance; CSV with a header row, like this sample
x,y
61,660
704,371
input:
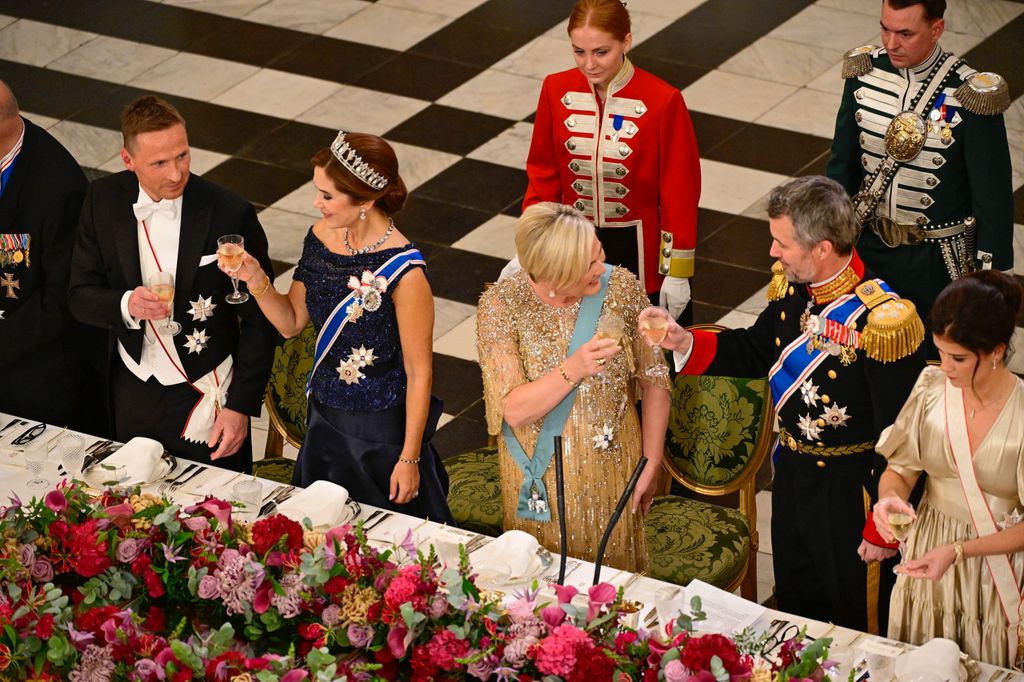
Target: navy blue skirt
x,y
359,450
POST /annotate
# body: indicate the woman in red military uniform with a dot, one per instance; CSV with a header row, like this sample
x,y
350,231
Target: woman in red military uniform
x,y
616,142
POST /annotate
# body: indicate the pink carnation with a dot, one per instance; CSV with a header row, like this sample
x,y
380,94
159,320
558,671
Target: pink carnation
x,y
557,654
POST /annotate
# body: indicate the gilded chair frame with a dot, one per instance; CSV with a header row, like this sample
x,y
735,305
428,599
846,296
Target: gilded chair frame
x,y
278,434
745,483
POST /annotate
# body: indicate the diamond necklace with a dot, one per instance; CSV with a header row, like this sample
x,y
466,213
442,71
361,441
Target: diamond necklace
x,y
372,247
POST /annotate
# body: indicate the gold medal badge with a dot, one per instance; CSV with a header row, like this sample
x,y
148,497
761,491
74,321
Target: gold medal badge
x,y
905,136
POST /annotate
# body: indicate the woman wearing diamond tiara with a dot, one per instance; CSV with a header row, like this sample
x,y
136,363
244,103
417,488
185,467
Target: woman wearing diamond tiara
x,y
362,284
962,426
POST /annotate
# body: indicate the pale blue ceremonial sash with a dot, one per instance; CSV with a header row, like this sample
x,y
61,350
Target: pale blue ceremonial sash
x,y
554,422
796,363
336,321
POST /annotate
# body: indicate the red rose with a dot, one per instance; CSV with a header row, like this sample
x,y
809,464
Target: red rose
x,y
44,627
268,532
154,584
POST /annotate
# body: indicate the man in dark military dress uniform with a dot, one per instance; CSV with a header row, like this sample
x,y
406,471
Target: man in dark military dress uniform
x,y
41,191
841,352
921,146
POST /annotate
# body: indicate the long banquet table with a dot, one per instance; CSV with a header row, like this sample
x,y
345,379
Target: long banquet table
x,y
389,527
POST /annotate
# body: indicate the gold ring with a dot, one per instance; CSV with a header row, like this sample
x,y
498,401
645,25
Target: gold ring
x,y
601,361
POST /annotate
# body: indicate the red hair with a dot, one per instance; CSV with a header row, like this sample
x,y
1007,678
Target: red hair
x,y
609,16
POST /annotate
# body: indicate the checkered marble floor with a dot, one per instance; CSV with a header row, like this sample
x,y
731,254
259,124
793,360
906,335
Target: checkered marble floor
x,y
452,84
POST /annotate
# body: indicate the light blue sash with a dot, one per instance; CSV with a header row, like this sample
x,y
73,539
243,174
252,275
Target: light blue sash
x,y
336,321
533,498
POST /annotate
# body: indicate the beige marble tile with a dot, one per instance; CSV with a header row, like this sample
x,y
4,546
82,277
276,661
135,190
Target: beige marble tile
x,y
112,59
830,81
277,93
449,314
538,58
765,577
44,122
959,43
285,232
91,146
730,188
202,161
5,20
1016,363
33,42
870,7
496,93
827,27
311,16
980,17
299,200
396,28
783,61
368,111
757,301
1014,116
445,418
193,75
740,97
763,501
1018,250
645,25
418,164
670,9
451,8
806,111
227,8
1016,140
735,319
509,148
495,238
460,342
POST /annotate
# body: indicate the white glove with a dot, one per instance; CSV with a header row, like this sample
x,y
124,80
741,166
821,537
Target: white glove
x,y
675,295
511,268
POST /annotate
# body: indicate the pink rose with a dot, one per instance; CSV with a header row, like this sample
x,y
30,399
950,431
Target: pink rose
x,y
675,671
42,570
196,523
129,550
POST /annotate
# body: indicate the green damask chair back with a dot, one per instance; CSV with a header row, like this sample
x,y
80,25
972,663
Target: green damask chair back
x,y
474,490
286,404
719,434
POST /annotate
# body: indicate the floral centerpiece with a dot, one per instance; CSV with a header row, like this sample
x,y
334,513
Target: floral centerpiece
x,y
134,587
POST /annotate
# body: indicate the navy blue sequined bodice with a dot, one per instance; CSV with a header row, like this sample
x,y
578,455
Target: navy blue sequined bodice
x,y
363,370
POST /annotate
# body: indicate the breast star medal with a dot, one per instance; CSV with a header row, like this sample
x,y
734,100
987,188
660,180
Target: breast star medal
x,y
197,341
202,309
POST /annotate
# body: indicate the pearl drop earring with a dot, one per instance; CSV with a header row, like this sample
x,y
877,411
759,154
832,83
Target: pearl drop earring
x,y
551,293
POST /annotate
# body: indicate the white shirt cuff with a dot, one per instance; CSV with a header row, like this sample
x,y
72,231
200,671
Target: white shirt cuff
x,y
681,358
129,321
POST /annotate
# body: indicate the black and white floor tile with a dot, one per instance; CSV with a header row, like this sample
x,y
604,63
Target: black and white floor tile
x,y
452,84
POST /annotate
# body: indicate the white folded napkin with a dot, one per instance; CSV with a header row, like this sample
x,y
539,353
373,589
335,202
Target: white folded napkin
x,y
938,657
509,558
323,503
140,458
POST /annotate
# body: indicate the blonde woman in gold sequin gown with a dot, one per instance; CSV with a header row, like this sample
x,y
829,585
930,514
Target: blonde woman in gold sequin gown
x,y
524,327
947,589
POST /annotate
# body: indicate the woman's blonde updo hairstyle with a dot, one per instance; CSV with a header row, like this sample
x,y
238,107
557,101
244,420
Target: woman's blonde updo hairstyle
x,y
554,243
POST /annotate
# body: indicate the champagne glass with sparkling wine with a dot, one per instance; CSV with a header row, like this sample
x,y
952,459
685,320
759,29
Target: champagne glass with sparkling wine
x,y
654,330
230,248
610,326
899,525
162,284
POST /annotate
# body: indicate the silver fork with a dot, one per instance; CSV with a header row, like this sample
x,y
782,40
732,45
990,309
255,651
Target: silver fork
x,y
165,486
182,481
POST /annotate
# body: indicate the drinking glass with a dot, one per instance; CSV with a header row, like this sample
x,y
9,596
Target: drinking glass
x,y
899,525
162,284
35,460
230,248
654,330
70,452
609,326
248,491
112,475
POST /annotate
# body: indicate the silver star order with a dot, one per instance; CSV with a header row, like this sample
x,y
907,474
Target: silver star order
x,y
197,341
349,372
604,438
809,426
809,392
362,356
1010,519
202,309
835,416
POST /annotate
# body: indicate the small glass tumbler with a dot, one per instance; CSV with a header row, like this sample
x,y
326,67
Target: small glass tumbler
x,y
249,493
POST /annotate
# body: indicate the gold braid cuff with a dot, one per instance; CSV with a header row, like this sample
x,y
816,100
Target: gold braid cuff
x,y
779,286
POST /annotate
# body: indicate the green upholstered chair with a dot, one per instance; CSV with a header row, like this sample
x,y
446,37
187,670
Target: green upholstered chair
x,y
719,433
474,491
286,404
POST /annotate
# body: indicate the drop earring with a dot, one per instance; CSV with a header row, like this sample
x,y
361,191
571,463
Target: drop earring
x,y
362,214
551,293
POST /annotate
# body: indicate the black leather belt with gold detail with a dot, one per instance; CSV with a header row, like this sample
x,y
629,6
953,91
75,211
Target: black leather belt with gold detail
x,y
788,441
895,234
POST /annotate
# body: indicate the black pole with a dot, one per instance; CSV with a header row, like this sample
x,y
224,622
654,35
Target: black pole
x,y
563,550
627,493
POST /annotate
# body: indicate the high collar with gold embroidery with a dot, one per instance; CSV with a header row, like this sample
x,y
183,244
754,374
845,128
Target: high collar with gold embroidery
x,y
621,79
843,283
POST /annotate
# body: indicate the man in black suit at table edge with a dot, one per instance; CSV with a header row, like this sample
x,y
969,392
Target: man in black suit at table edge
x,y
43,374
194,390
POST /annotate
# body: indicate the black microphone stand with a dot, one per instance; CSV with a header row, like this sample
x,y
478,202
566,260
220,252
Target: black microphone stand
x,y
560,491
615,516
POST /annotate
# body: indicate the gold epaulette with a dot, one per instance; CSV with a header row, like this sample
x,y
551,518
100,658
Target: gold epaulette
x,y
984,93
894,329
857,62
779,285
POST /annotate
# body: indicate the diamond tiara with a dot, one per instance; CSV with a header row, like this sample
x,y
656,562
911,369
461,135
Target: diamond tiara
x,y
350,159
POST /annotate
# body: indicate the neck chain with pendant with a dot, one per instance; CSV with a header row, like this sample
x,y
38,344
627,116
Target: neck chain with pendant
x,y
981,407
372,247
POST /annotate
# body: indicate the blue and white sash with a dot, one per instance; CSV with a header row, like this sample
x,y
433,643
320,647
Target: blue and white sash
x,y
796,362
533,497
390,270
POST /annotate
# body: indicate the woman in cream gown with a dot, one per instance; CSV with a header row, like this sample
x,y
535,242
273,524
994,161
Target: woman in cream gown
x,y
972,322
524,326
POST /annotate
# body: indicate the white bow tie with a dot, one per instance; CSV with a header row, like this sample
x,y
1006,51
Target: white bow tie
x,y
145,209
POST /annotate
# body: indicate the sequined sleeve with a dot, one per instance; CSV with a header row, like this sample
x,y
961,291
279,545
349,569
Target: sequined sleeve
x,y
497,346
627,294
901,443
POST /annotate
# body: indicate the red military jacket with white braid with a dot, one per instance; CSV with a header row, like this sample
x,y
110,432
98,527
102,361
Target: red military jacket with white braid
x,y
632,162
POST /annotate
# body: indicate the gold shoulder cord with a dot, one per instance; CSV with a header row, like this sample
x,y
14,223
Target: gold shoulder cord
x,y
779,285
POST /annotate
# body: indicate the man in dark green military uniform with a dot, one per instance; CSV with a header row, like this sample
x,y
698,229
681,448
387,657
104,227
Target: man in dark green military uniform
x,y
921,146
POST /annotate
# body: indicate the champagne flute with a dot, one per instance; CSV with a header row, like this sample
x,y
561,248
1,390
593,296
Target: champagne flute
x,y
654,330
162,284
609,326
230,248
899,526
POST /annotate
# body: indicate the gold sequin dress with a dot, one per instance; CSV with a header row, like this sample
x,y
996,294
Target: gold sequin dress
x,y
963,605
520,339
